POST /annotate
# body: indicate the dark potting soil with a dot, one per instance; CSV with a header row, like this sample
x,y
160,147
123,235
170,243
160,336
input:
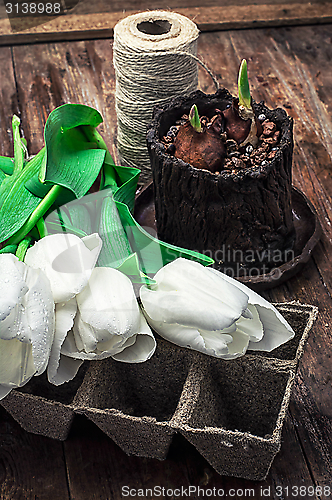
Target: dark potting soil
x,y
236,158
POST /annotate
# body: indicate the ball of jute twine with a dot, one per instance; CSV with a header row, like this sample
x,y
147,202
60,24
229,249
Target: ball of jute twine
x,y
155,59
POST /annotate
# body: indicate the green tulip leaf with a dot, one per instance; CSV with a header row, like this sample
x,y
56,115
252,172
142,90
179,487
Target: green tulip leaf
x,y
243,86
131,268
194,119
2,176
94,213
116,246
69,159
72,160
7,165
66,167
18,147
16,202
153,253
9,249
122,236
60,221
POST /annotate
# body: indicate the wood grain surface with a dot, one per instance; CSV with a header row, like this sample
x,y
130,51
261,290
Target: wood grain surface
x,y
288,67
91,20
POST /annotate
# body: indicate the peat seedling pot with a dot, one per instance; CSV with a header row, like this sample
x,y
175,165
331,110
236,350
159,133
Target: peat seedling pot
x,y
241,218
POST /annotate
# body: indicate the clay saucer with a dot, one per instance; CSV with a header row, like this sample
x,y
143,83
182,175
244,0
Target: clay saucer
x,y
307,228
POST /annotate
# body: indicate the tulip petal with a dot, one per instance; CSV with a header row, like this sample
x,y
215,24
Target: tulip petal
x,y
211,343
91,340
27,331
4,390
87,343
139,347
39,313
85,335
32,320
188,295
252,327
67,261
16,363
67,370
12,287
216,341
58,371
21,322
239,344
11,325
277,331
82,343
69,349
69,346
247,314
109,304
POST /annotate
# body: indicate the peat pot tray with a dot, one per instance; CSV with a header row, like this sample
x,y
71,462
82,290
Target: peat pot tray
x,y
231,411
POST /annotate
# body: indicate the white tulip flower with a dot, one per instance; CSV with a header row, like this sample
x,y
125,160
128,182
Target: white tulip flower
x,y
96,312
67,261
200,308
26,323
104,320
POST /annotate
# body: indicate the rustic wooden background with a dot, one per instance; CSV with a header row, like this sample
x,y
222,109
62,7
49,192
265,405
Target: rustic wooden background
x,y
288,67
96,19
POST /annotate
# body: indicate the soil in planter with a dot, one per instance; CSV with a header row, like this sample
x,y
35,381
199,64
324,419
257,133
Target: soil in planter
x,y
228,154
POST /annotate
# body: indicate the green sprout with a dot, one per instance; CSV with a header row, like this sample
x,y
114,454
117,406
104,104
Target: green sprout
x,y
194,120
243,86
18,150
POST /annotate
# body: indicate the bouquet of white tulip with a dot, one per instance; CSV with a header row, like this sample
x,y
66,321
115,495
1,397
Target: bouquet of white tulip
x,y
70,296
58,310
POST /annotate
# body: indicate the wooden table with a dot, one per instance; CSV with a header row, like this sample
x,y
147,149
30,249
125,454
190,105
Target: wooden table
x,y
289,67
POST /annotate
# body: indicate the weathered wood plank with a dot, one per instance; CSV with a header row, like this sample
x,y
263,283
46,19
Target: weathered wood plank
x,y
289,470
100,25
293,75
107,470
8,100
97,468
83,7
31,466
311,405
55,74
49,75
312,416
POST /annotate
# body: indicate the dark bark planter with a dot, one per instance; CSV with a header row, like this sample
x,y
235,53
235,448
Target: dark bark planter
x,y
242,220
307,229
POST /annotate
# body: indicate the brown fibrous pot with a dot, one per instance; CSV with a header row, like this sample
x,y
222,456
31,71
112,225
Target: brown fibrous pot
x,y
242,219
